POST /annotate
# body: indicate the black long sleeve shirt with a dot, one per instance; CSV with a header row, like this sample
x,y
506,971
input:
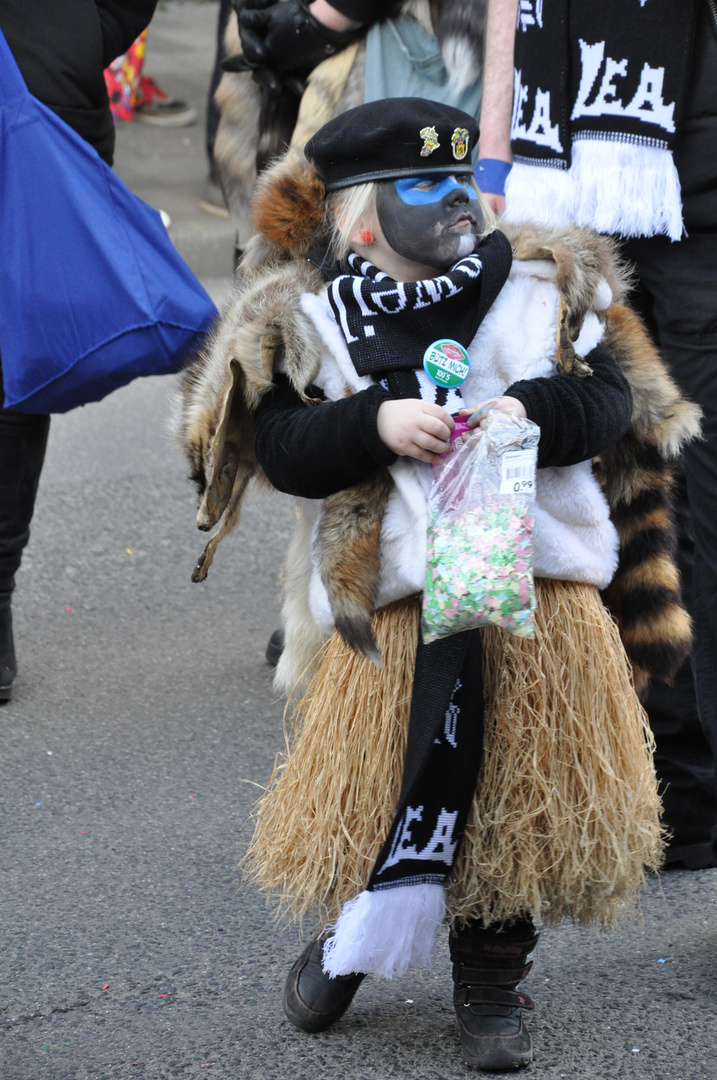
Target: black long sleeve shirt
x,y
313,451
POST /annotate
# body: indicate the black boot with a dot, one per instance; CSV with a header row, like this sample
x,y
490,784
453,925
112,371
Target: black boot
x,y
8,664
313,1001
487,967
23,438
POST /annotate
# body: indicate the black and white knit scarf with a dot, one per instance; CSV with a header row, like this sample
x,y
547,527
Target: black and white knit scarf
x,y
388,325
598,97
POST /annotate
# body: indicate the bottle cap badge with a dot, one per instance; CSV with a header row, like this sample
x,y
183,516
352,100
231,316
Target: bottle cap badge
x,y
446,362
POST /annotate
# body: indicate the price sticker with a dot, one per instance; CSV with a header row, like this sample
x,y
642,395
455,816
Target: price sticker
x,y
517,472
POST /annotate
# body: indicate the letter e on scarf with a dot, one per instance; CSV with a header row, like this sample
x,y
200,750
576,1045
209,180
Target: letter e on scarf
x,y
441,847
403,848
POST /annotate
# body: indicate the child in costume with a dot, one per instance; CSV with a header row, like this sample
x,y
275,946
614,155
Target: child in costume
x,y
485,778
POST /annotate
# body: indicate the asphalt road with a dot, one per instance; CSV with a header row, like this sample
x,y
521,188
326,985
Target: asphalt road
x,y
143,719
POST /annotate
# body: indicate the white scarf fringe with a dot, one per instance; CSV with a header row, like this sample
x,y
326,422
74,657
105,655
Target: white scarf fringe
x,y
612,187
385,932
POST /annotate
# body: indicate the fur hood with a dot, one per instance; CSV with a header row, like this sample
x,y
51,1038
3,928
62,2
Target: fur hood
x,y
264,326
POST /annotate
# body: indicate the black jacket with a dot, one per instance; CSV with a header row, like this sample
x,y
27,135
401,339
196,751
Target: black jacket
x,y
62,48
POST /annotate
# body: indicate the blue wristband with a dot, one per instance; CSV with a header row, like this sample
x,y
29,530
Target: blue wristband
x,y
491,175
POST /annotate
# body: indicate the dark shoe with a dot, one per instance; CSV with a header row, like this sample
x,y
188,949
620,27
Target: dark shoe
x,y
275,648
155,107
8,666
487,967
313,1001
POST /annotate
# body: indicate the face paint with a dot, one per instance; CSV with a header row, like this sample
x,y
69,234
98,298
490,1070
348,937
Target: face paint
x,y
430,220
419,190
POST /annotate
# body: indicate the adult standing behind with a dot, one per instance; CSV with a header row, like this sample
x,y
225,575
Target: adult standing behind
x,y
292,65
609,114
61,50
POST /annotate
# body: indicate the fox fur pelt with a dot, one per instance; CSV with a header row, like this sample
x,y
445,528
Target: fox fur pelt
x,y
255,128
264,326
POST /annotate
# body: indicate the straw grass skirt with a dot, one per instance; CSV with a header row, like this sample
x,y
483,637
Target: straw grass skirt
x,y
566,818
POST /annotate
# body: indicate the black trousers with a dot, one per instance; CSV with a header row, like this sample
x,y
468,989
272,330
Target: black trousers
x,y
678,296
213,115
23,438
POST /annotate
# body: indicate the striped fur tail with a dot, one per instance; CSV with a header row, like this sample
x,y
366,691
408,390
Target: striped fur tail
x,y
645,595
638,477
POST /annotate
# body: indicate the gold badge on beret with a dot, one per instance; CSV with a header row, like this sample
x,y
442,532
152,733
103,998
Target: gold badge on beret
x,y
459,142
430,140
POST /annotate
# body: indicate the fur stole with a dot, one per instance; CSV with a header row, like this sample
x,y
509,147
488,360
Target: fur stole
x,y
264,326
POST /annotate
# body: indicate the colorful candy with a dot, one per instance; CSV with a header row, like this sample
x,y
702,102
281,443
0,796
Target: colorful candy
x,y
480,537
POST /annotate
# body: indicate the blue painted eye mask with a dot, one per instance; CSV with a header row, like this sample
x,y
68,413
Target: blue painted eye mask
x,y
421,190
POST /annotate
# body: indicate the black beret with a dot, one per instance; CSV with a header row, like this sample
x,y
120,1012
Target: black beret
x,y
393,137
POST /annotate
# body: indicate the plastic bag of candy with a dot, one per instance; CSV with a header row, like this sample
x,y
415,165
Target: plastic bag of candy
x,y
479,570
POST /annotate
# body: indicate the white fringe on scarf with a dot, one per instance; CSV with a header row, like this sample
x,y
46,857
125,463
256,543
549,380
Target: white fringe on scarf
x,y
385,932
611,186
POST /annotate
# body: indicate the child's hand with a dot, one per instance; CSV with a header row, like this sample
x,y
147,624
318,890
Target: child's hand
x,y
414,428
477,415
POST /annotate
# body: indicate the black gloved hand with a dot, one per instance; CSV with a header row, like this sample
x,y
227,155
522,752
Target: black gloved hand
x,y
282,43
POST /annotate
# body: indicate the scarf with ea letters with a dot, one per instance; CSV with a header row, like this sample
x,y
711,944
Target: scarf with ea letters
x,y
598,96
392,923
